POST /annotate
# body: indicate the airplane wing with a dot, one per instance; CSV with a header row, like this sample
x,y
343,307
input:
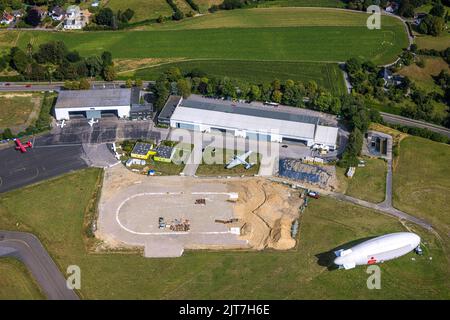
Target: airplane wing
x,y
244,156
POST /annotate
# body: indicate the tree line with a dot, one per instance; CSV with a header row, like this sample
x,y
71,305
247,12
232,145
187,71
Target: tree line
x,y
54,61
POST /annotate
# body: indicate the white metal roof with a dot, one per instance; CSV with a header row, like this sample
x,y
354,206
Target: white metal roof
x,y
235,121
326,135
93,98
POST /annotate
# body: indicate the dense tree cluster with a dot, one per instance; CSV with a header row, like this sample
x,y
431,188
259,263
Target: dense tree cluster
x,y
53,61
367,81
289,92
177,13
434,22
105,18
422,132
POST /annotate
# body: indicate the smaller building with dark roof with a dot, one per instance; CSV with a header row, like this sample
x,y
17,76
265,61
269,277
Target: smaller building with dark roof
x,y
167,111
164,153
142,150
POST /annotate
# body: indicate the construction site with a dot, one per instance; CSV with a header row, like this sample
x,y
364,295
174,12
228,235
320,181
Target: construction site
x,y
167,215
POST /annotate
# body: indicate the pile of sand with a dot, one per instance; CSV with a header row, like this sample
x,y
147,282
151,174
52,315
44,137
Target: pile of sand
x,y
266,211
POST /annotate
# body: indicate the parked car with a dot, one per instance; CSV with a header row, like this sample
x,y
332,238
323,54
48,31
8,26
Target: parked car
x,y
313,194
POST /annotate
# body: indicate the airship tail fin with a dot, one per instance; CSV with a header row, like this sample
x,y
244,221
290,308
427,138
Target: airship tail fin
x,y
342,252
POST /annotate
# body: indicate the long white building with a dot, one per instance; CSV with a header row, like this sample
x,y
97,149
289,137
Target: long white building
x,y
247,121
93,103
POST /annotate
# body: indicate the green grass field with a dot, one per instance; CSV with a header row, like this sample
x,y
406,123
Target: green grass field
x,y
57,220
327,75
424,77
294,44
422,181
204,5
334,36
303,3
209,168
16,283
276,17
368,183
143,9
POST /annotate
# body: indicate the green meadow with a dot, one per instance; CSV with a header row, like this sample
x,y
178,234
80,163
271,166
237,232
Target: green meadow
x,y
327,75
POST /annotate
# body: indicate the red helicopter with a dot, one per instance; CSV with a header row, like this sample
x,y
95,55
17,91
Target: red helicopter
x,y
22,147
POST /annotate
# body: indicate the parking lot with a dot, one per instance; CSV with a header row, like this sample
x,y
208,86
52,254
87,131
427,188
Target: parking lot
x,y
21,169
106,130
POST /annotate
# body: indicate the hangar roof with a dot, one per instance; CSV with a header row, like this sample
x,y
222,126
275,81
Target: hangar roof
x,y
242,109
239,121
93,98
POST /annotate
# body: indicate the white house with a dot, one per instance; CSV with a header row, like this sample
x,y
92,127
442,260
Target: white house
x,y
75,19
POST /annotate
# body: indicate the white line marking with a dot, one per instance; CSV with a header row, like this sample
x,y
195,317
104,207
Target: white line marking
x,y
164,233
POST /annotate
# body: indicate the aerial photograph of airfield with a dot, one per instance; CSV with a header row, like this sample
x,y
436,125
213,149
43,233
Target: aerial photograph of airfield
x,y
224,149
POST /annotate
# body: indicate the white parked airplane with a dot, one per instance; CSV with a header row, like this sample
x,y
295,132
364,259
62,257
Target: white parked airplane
x,y
237,160
62,124
92,122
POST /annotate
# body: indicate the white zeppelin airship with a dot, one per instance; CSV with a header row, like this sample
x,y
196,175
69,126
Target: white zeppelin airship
x,y
387,247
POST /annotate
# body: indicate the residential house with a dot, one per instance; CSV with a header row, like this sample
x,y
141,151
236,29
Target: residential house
x,y
389,78
17,13
391,7
57,13
7,18
75,18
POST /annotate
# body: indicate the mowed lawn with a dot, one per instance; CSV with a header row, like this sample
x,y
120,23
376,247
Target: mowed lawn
x,y
429,42
422,181
143,9
16,282
214,163
303,3
327,75
274,17
368,183
57,220
16,108
318,41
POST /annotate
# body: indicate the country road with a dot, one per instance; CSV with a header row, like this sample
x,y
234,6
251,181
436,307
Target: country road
x,y
28,249
394,119
56,86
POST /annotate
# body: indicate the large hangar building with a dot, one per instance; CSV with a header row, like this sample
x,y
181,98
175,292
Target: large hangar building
x,y
93,103
265,123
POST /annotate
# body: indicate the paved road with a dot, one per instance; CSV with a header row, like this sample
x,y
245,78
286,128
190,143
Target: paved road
x,y
394,119
383,208
56,86
27,248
